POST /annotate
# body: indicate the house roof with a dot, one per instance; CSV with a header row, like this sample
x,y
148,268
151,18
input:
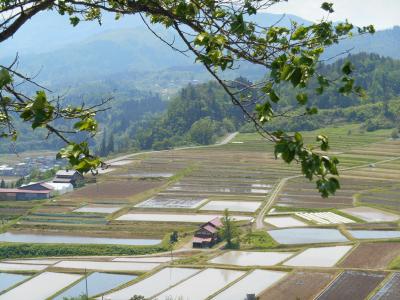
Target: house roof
x,y
216,222
201,240
19,191
43,184
210,228
66,172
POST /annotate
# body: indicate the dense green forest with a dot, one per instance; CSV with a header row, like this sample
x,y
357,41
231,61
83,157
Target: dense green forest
x,y
200,113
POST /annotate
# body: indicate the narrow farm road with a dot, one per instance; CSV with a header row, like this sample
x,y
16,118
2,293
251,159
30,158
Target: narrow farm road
x,y
225,141
259,222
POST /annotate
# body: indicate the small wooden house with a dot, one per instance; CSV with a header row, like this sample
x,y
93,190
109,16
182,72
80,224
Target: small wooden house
x,y
207,235
69,176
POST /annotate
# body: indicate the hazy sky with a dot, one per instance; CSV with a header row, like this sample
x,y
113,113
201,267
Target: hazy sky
x,y
381,13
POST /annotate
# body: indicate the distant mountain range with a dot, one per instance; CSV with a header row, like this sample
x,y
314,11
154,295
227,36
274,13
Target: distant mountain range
x,y
67,56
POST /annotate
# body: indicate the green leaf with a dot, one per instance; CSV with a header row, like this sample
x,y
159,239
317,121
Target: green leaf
x,y
347,68
302,98
5,78
273,96
327,7
74,21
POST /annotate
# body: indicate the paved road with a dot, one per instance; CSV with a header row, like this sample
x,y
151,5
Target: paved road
x,y
225,141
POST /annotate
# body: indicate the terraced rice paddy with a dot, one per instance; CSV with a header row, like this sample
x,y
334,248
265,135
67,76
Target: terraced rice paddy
x,y
8,280
375,234
98,209
370,214
33,261
188,218
105,265
61,239
151,259
212,280
158,202
242,258
372,256
355,285
39,287
318,257
235,206
153,285
282,222
298,285
324,218
253,283
294,236
391,289
10,267
97,283
113,189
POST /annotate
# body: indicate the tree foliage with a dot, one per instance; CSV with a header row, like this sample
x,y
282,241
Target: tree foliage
x,y
220,36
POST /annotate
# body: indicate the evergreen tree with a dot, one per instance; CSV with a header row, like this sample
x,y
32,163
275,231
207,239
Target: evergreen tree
x,y
2,184
110,146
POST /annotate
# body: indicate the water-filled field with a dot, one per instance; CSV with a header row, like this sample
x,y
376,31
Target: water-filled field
x,y
282,222
106,265
370,214
307,236
21,267
318,257
375,234
189,218
202,285
158,202
253,283
41,287
154,284
8,280
63,239
98,209
243,258
152,259
96,283
242,206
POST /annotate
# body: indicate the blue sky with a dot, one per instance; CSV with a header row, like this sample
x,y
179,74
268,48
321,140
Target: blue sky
x,y
381,13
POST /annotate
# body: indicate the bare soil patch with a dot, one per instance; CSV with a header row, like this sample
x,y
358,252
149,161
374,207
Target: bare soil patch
x,y
298,286
354,285
372,256
115,189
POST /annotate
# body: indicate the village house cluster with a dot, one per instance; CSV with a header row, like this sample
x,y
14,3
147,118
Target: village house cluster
x,y
64,181
24,168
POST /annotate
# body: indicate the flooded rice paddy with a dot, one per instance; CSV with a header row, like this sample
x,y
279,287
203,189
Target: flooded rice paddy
x,y
33,261
106,265
391,289
307,236
324,217
156,202
202,285
318,257
370,214
21,267
64,239
242,206
41,287
375,234
189,218
98,209
97,283
253,283
154,284
158,259
242,258
8,280
282,222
